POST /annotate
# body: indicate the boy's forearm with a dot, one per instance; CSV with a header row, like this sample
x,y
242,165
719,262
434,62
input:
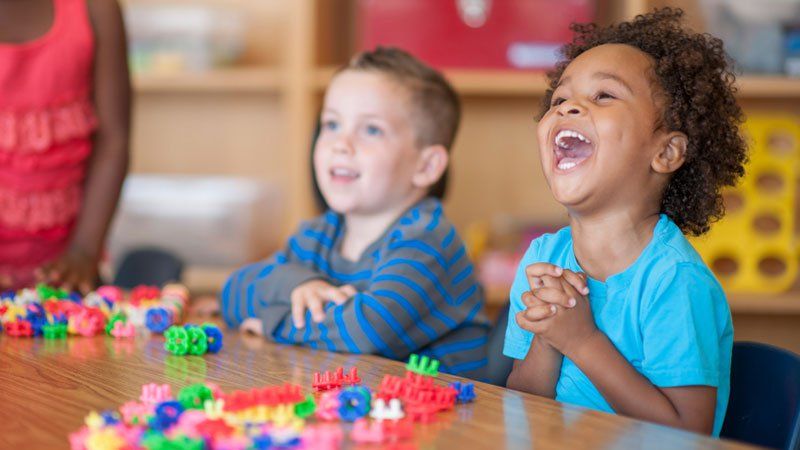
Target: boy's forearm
x,y
627,391
538,373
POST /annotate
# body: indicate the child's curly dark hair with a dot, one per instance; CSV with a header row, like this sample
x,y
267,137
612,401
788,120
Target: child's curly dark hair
x,y
698,90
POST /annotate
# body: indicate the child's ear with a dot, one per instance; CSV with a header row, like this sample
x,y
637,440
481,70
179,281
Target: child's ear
x,y
432,163
672,154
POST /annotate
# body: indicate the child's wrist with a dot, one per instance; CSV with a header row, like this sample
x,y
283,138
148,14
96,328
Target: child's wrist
x,y
585,346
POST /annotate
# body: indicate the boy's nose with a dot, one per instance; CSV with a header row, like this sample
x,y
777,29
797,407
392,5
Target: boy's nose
x,y
342,145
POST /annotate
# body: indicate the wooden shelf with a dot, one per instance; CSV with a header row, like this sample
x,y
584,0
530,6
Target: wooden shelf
x,y
474,82
232,80
522,83
769,87
768,304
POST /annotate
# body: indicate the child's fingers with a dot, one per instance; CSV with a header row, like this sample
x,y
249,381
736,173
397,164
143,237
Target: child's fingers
x,y
555,297
539,312
317,307
529,300
299,310
348,290
535,271
333,294
252,325
577,281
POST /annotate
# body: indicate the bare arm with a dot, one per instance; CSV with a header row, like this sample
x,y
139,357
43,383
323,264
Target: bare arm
x,y
631,394
538,373
109,161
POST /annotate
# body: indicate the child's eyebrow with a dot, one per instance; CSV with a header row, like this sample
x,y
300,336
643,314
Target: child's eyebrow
x,y
611,76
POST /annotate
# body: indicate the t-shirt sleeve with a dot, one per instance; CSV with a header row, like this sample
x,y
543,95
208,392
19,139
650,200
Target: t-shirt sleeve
x,y
681,328
518,341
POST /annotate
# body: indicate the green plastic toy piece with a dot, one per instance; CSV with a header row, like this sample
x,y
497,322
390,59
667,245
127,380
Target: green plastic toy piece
x,y
46,292
305,408
116,317
54,331
157,441
194,396
198,341
425,366
177,340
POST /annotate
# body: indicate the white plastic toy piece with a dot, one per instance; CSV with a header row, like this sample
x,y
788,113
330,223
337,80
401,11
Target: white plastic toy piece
x,y
381,412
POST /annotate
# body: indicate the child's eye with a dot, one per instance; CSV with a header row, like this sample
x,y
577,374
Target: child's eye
x,y
330,125
604,96
557,101
372,130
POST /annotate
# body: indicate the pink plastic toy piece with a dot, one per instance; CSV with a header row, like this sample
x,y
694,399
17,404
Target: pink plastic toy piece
x,y
322,436
111,293
188,422
135,412
153,393
328,406
87,323
77,440
365,432
123,330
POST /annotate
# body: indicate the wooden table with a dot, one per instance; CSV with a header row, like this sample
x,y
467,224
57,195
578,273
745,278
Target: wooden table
x,y
47,387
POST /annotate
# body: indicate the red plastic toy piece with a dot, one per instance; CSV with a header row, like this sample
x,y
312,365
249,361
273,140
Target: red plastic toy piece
x,y
19,328
327,380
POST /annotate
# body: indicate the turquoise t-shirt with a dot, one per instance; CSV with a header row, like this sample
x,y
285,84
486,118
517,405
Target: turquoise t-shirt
x,y
666,314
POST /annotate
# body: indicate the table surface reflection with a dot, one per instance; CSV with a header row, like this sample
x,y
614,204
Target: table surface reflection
x,y
48,386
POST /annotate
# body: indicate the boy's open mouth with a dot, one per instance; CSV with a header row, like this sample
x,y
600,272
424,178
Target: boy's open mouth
x,y
343,174
571,149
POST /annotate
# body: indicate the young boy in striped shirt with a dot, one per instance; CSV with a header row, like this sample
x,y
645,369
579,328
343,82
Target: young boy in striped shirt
x,y
382,271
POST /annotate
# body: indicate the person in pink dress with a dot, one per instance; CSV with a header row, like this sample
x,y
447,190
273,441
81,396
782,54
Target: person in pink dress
x,y
64,124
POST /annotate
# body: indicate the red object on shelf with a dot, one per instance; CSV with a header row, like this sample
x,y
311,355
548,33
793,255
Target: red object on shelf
x,y
522,34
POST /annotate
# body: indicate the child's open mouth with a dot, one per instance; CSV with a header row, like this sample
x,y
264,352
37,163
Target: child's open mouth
x,y
344,175
571,149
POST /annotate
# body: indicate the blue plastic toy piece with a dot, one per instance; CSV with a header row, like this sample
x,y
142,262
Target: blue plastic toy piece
x,y
466,391
354,403
158,320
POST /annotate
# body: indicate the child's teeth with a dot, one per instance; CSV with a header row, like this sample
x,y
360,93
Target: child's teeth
x,y
567,165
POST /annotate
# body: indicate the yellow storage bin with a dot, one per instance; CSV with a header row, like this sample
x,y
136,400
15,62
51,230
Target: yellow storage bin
x,y
752,249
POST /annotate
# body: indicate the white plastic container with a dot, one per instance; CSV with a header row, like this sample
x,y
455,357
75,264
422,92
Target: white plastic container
x,y
206,221
183,37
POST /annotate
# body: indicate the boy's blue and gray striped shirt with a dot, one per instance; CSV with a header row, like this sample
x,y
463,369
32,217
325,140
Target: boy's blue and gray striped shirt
x,y
417,292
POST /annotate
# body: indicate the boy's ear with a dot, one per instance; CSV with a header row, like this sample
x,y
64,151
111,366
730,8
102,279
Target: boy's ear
x,y
433,162
672,154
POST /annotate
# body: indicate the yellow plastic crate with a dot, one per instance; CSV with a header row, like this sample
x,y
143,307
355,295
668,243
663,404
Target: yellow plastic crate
x,y
752,249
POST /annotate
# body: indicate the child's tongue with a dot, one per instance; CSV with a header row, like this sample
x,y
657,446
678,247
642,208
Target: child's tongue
x,y
574,152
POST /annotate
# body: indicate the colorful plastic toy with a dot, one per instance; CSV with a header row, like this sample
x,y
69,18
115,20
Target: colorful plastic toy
x,y
354,403
425,366
466,391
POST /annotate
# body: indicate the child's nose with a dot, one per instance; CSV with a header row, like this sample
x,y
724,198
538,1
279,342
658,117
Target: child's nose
x,y
343,145
571,108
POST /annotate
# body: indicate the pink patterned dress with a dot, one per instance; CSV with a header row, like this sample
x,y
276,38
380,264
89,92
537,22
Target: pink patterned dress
x,y
46,126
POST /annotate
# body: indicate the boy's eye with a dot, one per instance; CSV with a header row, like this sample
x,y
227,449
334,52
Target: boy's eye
x,y
372,130
557,101
330,125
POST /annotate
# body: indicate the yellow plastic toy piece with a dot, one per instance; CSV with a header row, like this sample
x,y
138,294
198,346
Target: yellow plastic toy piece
x,y
753,249
105,439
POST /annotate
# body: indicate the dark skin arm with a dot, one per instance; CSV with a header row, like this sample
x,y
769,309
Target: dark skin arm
x,y
77,267
572,332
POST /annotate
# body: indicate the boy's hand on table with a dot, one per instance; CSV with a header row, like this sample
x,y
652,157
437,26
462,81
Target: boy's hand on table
x,y
252,325
75,269
312,295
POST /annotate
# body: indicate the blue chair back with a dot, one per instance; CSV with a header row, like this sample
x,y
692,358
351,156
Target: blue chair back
x,y
149,266
499,364
764,406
